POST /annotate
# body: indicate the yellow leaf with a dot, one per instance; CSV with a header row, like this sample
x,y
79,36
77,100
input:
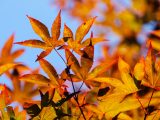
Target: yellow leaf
x,y
98,70
126,77
83,29
112,81
111,110
148,66
34,43
139,70
56,26
156,33
94,41
155,43
67,34
123,66
47,113
73,62
49,70
123,116
87,60
40,29
36,79
6,50
5,67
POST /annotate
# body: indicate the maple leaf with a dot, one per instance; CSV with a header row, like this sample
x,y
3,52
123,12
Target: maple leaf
x,y
53,81
154,39
76,43
26,91
47,113
5,67
120,92
82,71
5,98
129,103
147,70
123,87
13,113
123,92
7,58
49,42
19,115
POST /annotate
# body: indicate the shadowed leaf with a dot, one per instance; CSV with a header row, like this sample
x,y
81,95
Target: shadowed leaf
x,y
47,113
73,62
67,33
87,59
103,91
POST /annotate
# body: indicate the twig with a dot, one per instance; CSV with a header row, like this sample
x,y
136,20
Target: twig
x,y
146,114
76,96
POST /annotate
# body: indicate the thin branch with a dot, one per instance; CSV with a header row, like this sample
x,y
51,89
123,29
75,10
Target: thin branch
x,y
141,105
76,96
60,56
146,114
81,86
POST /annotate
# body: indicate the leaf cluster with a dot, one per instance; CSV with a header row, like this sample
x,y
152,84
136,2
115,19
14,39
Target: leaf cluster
x,y
119,87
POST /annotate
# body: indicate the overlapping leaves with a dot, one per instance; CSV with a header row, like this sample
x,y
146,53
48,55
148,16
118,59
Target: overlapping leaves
x,y
148,70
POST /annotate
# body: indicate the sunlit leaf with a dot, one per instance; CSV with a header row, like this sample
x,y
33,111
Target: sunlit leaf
x,y
156,33
6,50
5,67
47,113
139,70
56,26
100,69
125,76
67,34
73,62
43,54
35,78
49,70
94,41
33,43
40,29
83,29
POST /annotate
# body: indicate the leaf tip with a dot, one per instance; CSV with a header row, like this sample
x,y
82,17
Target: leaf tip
x,y
37,58
28,16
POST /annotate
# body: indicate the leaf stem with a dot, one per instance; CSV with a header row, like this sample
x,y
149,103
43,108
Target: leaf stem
x,y
76,96
146,114
60,56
